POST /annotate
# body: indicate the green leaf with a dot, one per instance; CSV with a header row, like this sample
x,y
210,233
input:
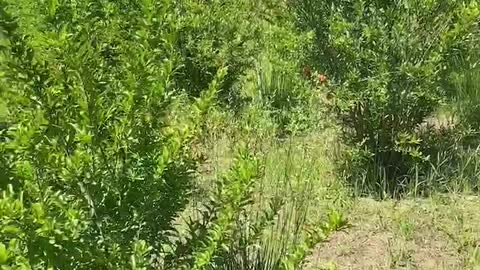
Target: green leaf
x,y
11,229
52,7
4,254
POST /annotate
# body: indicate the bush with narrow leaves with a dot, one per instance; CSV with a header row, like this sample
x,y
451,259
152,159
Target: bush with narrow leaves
x,y
386,62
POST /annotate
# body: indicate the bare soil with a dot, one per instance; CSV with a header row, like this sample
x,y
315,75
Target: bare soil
x,y
437,233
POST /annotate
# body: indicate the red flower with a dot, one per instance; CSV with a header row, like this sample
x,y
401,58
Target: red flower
x,y
322,78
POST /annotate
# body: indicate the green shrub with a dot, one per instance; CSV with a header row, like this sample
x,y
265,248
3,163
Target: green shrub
x,y
386,62
101,162
97,160
236,34
280,90
463,84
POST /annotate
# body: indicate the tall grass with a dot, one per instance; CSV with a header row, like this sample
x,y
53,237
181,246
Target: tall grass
x,y
287,216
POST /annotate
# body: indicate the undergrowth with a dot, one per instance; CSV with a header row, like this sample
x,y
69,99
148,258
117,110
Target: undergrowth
x,y
189,134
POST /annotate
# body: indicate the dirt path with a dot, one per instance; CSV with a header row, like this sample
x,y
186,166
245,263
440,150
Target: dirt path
x,y
436,233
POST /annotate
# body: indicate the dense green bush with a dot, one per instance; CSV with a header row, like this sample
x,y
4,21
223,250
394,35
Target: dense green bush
x,y
386,62
463,85
93,150
259,43
236,34
452,139
101,105
279,88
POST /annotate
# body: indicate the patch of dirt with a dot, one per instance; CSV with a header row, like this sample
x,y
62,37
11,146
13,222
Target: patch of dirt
x,y
435,255
353,249
392,235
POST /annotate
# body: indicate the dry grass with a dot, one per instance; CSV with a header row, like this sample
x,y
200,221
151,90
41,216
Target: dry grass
x,y
436,233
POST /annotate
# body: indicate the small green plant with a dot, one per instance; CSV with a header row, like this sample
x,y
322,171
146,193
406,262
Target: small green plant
x,y
406,228
330,266
336,221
